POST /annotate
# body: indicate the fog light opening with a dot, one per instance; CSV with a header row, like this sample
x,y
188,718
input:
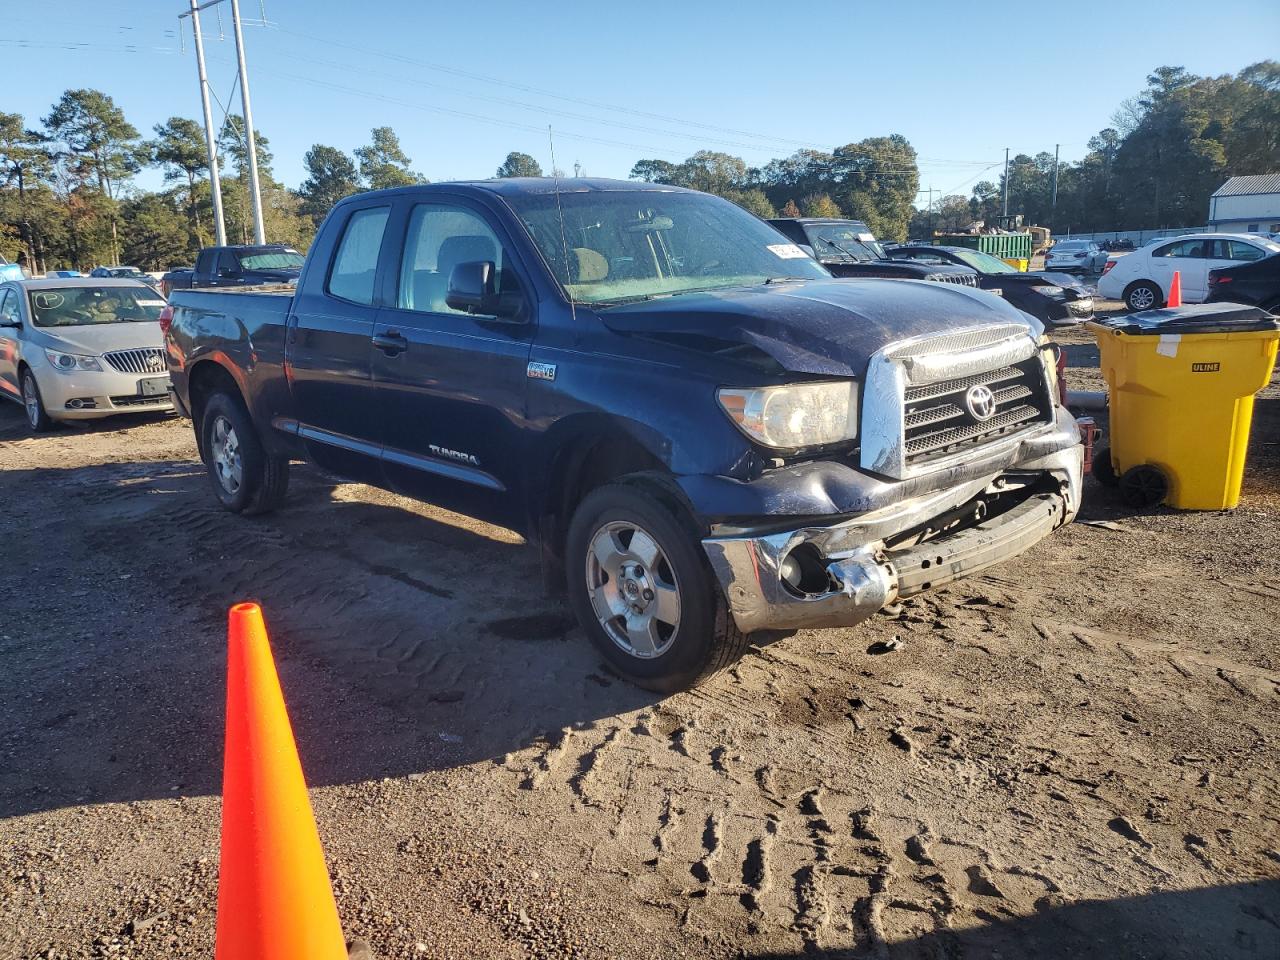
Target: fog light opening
x,y
804,573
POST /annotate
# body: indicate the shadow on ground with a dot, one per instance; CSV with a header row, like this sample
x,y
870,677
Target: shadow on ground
x,y
1239,922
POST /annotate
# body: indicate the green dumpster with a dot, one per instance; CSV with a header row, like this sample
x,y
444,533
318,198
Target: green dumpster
x,y
1005,246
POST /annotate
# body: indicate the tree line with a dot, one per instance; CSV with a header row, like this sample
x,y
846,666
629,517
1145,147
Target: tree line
x,y
68,199
1167,150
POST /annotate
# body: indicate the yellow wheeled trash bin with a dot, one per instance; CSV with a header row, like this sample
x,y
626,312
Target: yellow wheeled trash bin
x,y
1181,385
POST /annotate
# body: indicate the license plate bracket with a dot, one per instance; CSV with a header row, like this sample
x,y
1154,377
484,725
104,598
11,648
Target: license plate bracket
x,y
153,387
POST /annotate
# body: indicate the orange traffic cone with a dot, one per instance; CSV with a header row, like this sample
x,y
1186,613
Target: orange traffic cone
x,y
1175,290
274,898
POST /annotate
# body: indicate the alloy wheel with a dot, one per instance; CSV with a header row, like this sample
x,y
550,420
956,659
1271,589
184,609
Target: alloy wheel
x,y
31,401
633,589
224,448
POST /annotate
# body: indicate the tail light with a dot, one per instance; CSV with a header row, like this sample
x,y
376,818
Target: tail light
x,y
166,319
1107,268
1215,281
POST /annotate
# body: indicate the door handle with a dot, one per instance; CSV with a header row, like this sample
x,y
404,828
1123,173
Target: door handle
x,y
391,343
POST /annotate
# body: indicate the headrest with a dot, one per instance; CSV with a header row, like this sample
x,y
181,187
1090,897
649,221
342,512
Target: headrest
x,y
588,265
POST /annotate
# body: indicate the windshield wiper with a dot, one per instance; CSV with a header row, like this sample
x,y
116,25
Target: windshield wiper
x,y
841,249
785,280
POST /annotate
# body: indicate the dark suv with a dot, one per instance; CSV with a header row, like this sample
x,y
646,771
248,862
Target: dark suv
x,y
848,248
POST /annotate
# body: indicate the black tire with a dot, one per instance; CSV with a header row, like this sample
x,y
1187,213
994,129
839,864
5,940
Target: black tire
x,y
1143,295
263,480
38,419
1104,471
1144,486
705,639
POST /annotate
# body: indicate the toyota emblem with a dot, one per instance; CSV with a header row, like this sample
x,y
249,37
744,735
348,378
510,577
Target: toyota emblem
x,y
980,402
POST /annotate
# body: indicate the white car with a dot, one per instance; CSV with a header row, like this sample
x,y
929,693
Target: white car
x,y
76,349
1075,256
1141,279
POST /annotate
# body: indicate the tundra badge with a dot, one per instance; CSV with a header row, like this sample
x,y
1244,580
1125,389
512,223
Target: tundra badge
x,y
458,455
541,371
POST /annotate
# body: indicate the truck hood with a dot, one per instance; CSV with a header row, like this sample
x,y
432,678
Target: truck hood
x,y
822,327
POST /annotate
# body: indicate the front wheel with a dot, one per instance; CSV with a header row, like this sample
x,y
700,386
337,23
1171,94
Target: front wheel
x,y
38,420
644,593
1143,295
245,478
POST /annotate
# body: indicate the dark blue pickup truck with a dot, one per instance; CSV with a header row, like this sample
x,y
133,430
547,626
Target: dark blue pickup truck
x,y
704,433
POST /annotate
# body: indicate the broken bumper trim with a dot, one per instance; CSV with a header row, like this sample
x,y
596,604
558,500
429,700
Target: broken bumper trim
x,y
865,576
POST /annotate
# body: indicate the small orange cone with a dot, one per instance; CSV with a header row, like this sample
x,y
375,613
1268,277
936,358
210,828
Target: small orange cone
x,y
1175,290
274,898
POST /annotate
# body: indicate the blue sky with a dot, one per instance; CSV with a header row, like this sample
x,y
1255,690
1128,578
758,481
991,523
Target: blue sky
x,y
463,84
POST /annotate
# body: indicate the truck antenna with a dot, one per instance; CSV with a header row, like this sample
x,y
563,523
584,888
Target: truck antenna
x,y
564,244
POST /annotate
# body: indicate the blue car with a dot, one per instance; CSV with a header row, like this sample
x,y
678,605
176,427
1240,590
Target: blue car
x,y
10,271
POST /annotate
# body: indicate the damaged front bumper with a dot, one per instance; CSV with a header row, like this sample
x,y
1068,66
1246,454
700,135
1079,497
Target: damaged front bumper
x,y
899,549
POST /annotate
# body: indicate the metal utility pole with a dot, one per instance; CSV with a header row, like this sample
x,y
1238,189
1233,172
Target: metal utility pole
x,y
255,193
931,230
1006,183
1053,202
210,137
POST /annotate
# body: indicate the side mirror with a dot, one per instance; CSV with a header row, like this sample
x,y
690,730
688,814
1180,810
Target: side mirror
x,y
473,289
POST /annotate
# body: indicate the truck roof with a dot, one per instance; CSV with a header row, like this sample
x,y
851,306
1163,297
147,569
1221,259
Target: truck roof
x,y
523,186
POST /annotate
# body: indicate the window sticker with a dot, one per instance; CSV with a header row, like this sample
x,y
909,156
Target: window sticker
x,y
786,251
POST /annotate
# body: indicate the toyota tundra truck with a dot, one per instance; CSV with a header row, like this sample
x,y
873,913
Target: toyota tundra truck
x,y
706,436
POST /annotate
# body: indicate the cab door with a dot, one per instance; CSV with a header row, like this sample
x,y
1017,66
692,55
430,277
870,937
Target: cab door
x,y
10,331
330,334
451,385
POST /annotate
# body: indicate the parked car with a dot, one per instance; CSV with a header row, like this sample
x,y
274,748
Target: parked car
x,y
1141,279
10,271
848,248
1055,299
237,266
1256,282
76,349
1075,256
119,273
62,274
176,278
703,432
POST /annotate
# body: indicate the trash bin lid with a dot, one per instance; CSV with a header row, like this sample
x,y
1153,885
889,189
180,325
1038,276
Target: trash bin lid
x,y
1196,318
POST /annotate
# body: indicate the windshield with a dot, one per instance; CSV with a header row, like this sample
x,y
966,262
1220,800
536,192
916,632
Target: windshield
x,y
637,244
80,306
272,260
844,241
984,262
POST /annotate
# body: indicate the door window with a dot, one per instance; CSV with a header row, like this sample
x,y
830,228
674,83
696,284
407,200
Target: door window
x,y
9,307
227,263
440,237
1182,248
1239,250
356,263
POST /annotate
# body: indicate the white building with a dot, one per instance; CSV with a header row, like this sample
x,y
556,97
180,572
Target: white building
x,y
1246,205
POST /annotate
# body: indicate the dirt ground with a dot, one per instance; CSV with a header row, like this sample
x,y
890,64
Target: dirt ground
x,y
1074,755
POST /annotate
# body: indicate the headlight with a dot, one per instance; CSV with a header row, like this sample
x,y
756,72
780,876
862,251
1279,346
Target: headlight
x,y
67,362
795,415
1048,289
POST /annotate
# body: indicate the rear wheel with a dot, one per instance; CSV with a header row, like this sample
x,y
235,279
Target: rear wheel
x,y
644,593
1104,471
1143,295
38,420
245,478
1144,486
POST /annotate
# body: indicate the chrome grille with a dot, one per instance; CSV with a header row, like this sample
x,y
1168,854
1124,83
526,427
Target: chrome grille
x,y
964,279
937,424
143,360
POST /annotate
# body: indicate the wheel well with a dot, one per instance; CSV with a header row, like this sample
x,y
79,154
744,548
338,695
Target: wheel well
x,y
581,467
205,379
1151,283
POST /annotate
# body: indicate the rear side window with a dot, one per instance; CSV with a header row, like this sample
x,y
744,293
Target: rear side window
x,y
356,263
1183,248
